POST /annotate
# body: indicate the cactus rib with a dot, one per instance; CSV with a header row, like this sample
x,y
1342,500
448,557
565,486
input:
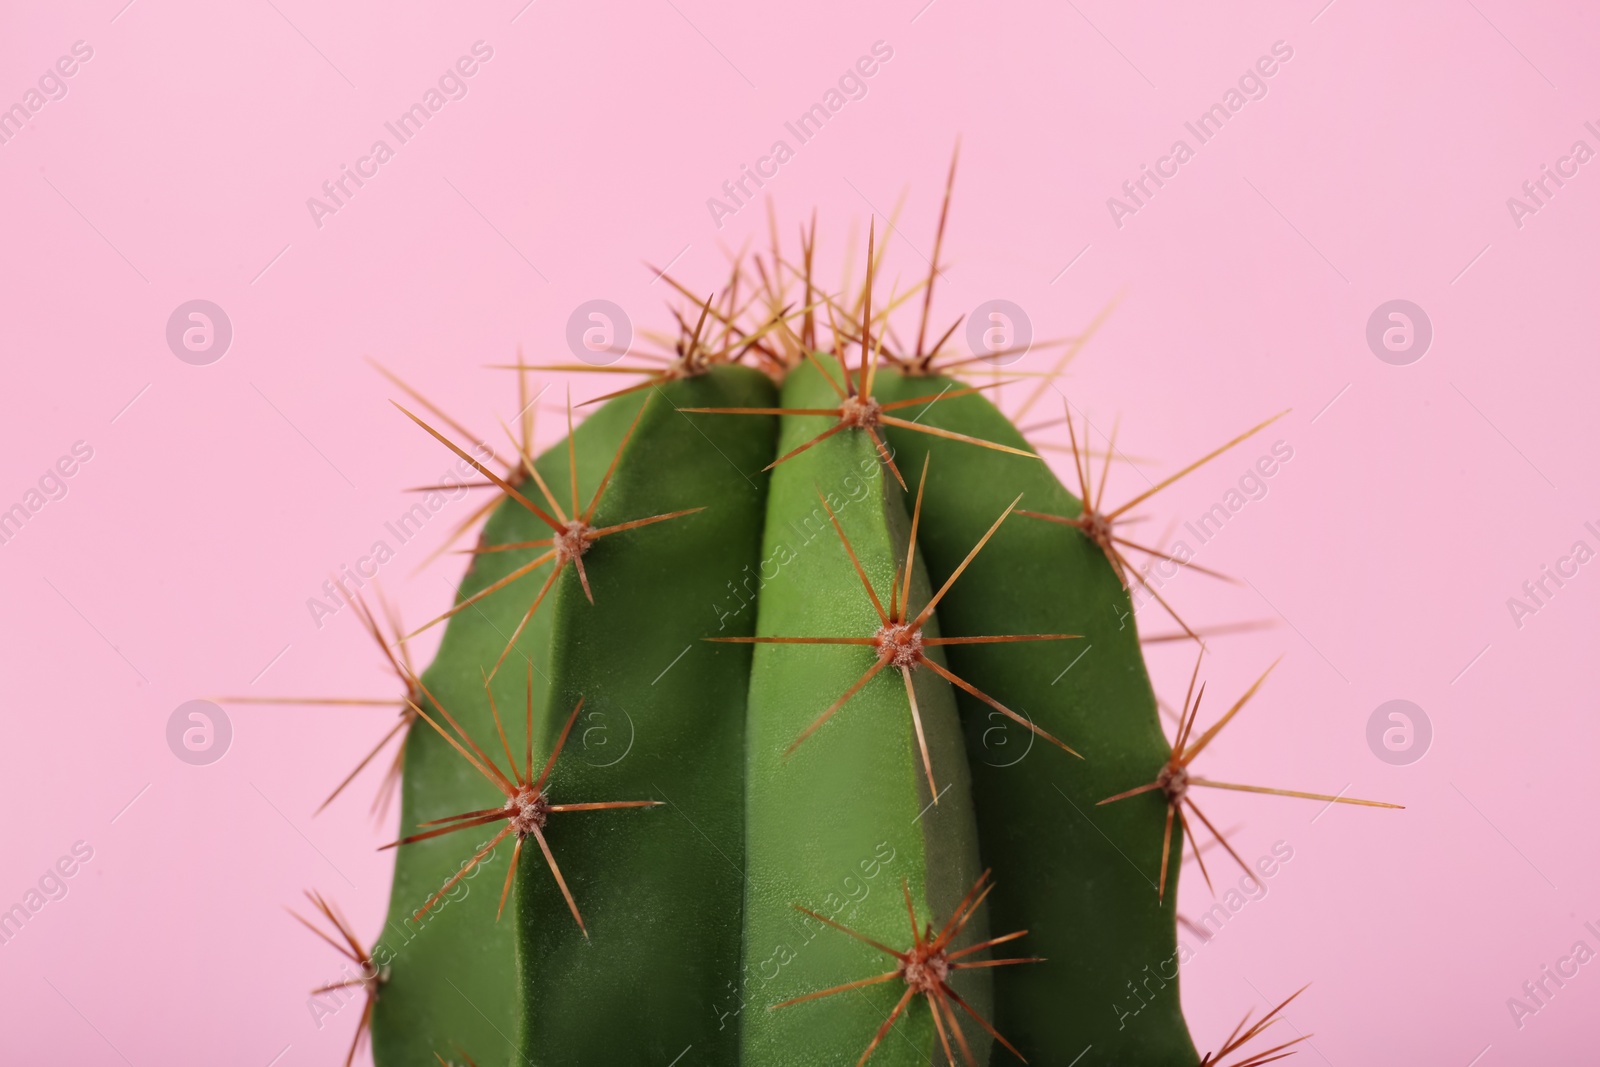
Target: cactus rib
x,y
898,640
527,806
836,826
454,977
572,538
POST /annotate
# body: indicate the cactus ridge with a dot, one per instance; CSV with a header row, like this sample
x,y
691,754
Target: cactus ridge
x,y
527,807
898,642
571,536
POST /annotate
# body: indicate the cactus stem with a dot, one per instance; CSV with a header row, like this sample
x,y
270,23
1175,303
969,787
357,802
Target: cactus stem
x,y
527,806
370,978
1173,780
899,642
925,968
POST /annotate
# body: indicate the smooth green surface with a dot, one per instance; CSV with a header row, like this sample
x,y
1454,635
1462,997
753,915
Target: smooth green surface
x,y
841,823
660,888
1080,878
452,977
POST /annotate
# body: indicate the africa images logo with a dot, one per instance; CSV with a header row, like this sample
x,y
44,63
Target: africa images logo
x,y
1252,85
452,85
852,85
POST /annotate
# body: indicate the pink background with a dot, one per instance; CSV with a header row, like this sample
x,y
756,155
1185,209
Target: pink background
x,y
179,563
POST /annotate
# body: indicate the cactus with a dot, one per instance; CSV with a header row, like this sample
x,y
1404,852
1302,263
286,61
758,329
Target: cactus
x,y
744,663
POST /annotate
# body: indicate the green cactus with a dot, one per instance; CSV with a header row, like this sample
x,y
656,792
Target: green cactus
x,y
776,724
